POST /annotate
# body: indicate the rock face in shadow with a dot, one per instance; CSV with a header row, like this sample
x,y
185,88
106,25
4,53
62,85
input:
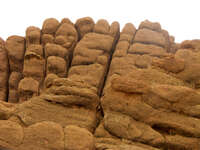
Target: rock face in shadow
x,y
88,86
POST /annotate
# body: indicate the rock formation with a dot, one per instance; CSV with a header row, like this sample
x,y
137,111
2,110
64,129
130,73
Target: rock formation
x,y
88,86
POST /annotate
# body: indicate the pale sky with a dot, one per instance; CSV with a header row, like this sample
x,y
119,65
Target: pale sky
x,y
181,18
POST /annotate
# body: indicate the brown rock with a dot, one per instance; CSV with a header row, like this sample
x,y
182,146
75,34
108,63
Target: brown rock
x,y
49,80
37,110
14,80
50,26
66,20
32,35
43,136
66,36
34,66
47,38
190,44
150,37
152,50
28,87
56,65
84,26
71,93
128,85
3,72
102,26
180,142
35,48
175,98
15,45
11,133
56,50
150,25
170,64
125,127
77,138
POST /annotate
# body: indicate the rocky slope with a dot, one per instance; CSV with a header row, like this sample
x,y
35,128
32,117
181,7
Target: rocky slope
x,y
88,86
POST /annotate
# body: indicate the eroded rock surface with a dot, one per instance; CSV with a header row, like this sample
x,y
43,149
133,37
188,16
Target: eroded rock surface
x,y
88,86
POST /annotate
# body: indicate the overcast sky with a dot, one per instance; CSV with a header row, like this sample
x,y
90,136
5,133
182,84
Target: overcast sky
x,y
180,17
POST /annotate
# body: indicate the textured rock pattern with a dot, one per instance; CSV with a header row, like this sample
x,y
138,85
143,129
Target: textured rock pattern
x,y
88,86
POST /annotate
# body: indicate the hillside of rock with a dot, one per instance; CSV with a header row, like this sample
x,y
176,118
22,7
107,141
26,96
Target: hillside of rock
x,y
91,86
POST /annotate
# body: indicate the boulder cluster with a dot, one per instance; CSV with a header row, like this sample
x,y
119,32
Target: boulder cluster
x,y
90,86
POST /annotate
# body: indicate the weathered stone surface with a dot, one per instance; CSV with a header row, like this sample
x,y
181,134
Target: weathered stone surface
x,y
66,36
84,26
170,64
34,66
68,92
152,50
33,35
15,46
11,133
50,26
43,136
4,70
36,110
137,89
28,87
191,45
150,37
56,50
150,25
77,138
14,80
125,127
56,65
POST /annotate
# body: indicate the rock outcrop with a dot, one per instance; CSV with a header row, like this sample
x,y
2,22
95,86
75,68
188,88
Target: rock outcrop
x,y
88,86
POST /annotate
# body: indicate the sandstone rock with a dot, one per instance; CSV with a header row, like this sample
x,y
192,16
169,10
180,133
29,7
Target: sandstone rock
x,y
43,136
32,35
66,20
84,26
102,26
150,37
15,45
34,66
71,93
50,26
11,133
125,127
6,110
56,50
77,138
170,64
4,69
28,87
56,65
14,80
115,30
176,98
117,144
35,48
192,64
152,50
150,25
66,36
37,110
47,38
190,44
180,142
49,80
